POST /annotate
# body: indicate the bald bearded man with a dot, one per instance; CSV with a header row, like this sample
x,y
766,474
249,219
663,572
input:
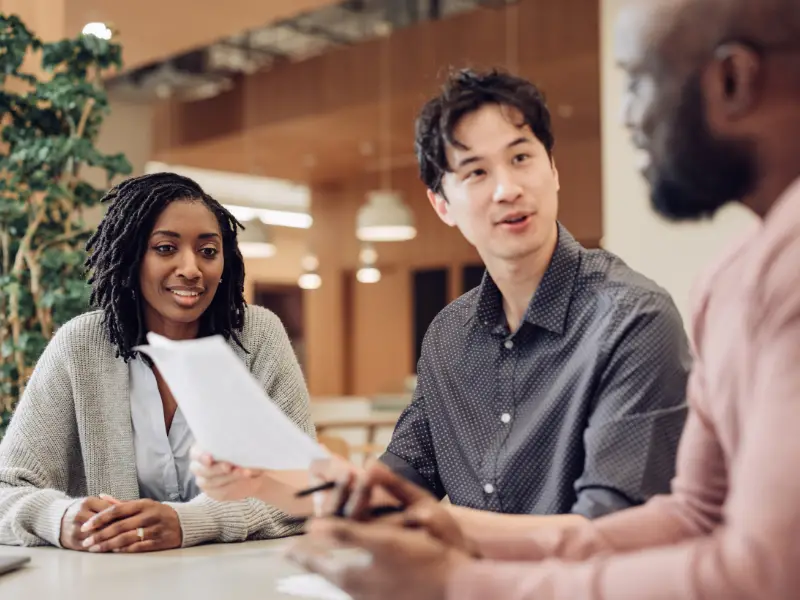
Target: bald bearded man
x,y
713,106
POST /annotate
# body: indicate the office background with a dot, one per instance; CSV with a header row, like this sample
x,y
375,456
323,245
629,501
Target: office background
x,y
299,113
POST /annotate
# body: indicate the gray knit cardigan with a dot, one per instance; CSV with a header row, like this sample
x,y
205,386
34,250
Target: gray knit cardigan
x,y
71,436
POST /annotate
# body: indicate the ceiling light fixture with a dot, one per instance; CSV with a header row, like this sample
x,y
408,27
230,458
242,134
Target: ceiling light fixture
x,y
368,275
98,30
310,279
255,240
385,218
368,272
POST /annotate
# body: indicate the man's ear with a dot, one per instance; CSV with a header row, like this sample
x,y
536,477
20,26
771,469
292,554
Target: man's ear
x,y
555,173
441,206
732,85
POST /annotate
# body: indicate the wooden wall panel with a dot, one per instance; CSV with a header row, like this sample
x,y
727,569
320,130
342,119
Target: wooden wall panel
x,y
314,120
365,346
326,109
381,346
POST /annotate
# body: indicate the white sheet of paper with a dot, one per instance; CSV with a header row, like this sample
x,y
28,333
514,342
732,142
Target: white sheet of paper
x,y
227,410
311,586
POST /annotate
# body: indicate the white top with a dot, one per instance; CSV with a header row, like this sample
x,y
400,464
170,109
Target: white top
x,y
162,459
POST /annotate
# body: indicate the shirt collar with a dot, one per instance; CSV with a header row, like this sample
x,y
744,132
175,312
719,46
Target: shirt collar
x,y
549,306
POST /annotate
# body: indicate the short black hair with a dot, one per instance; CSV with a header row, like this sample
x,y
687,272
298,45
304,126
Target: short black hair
x,y
464,92
116,249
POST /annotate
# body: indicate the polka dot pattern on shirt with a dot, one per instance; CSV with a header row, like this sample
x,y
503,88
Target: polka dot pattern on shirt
x,y
579,410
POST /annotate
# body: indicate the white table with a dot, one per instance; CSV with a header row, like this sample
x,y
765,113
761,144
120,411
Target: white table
x,y
220,572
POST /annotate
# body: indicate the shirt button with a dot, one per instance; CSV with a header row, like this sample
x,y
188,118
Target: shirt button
x,y
488,488
505,418
174,497
509,344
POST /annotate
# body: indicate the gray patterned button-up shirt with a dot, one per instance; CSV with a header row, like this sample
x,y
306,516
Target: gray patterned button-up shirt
x,y
580,410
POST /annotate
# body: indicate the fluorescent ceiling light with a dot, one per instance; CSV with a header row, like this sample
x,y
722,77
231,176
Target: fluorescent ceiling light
x,y
257,249
273,201
279,218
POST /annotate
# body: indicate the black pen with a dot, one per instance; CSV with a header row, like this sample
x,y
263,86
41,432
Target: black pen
x,y
374,512
328,485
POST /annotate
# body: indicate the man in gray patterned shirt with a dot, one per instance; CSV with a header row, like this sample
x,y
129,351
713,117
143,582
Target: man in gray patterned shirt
x,y
557,386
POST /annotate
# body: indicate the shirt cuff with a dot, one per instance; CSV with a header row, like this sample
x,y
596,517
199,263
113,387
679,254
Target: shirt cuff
x,y
50,526
204,522
405,470
597,502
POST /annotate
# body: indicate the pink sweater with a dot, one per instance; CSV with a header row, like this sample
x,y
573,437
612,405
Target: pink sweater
x,y
731,527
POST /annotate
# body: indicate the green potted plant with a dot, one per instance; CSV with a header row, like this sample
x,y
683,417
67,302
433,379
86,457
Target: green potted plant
x,y
49,125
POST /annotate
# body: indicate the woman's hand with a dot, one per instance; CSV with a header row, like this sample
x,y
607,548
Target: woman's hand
x,y
134,526
79,513
224,481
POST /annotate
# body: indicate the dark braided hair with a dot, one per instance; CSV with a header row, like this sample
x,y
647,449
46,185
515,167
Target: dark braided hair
x,y
117,247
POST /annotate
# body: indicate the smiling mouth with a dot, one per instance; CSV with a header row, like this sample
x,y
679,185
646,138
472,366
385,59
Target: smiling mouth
x,y
514,220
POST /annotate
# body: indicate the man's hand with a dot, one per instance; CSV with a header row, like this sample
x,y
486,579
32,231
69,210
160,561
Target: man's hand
x,y
116,529
339,471
375,561
81,511
377,483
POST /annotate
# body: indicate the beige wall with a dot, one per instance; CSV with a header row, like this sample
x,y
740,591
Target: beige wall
x,y
46,18
671,254
127,129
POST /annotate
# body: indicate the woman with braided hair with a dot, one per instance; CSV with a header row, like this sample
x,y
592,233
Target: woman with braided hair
x,y
97,455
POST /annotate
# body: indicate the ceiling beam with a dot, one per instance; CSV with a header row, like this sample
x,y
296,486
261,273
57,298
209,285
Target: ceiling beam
x,y
153,30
